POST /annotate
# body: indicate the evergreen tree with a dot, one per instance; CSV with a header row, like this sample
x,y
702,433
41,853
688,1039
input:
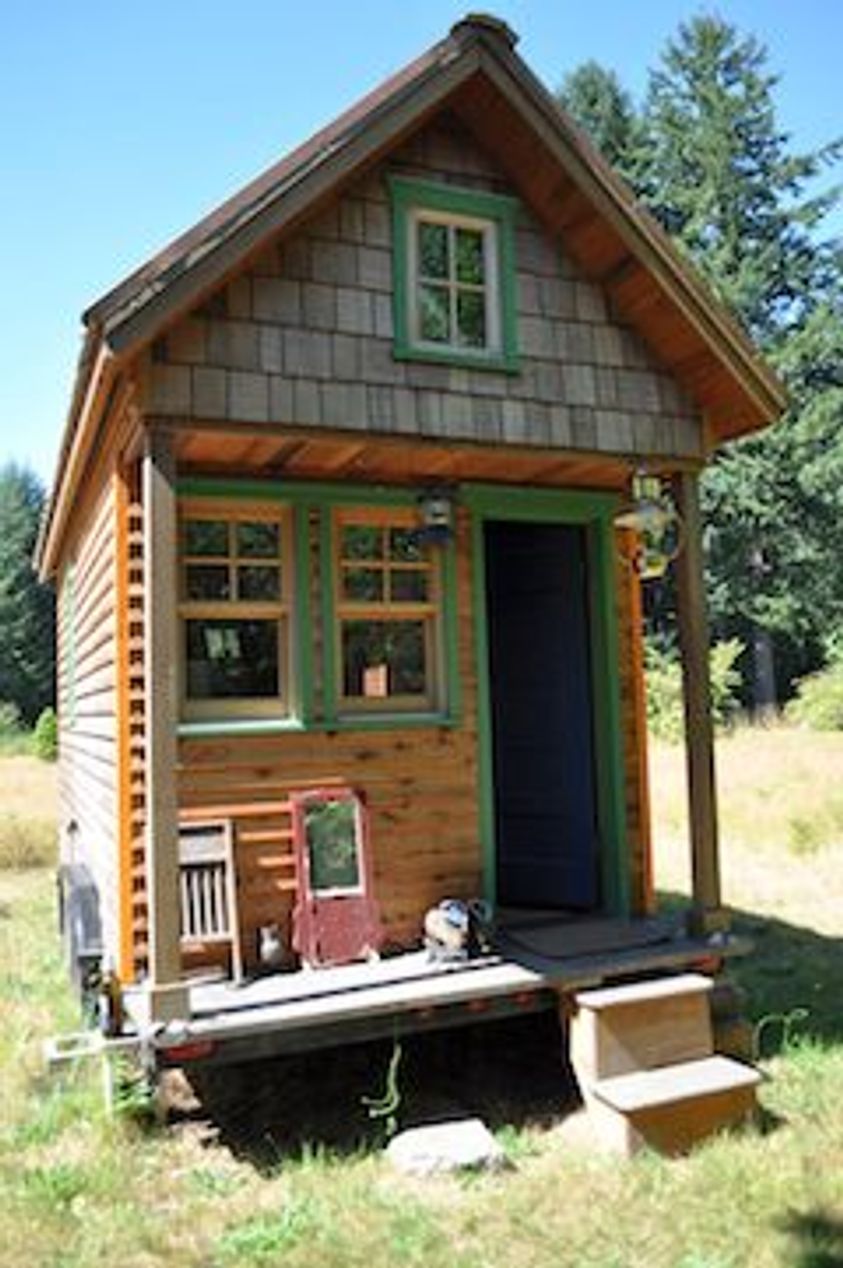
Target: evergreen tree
x,y
27,645
594,98
709,159
718,172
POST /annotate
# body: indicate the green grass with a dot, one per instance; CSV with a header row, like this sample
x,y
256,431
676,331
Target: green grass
x,y
79,1190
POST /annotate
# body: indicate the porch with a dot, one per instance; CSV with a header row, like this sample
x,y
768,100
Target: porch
x,y
538,960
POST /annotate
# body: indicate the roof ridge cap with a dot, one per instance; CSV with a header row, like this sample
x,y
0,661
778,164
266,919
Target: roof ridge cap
x,y
484,25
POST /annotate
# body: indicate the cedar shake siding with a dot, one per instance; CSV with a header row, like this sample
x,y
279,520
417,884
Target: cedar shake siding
x,y
305,338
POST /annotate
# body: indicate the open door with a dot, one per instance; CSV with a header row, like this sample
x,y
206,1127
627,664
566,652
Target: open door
x,y
336,917
540,688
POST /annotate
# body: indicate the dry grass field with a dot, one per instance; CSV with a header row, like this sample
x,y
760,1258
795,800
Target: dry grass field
x,y
78,1189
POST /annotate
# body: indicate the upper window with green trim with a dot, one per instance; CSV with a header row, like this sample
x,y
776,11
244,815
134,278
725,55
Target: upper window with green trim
x,y
454,275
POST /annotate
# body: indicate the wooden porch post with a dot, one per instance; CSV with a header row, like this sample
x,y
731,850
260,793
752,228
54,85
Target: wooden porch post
x,y
708,914
166,994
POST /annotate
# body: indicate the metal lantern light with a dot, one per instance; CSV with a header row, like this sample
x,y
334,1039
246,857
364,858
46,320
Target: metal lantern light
x,y
652,516
436,512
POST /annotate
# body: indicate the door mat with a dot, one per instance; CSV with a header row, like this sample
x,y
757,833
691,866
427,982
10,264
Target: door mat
x,y
561,939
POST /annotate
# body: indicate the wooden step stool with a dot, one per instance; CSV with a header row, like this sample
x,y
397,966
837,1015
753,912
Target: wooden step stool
x,y
643,1055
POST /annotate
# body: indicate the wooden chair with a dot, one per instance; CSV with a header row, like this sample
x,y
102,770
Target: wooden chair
x,y
208,890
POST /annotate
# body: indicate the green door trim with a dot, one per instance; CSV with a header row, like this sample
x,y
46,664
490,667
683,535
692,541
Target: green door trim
x,y
594,512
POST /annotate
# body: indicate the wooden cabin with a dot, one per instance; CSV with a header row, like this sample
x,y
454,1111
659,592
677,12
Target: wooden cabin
x,y
335,511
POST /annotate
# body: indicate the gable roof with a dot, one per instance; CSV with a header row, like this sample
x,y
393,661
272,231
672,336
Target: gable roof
x,y
476,72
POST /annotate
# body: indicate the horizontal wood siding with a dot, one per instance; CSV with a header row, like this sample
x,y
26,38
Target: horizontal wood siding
x,y
86,693
420,786
305,338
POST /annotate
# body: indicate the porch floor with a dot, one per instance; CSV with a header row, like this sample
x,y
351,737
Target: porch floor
x,y
538,957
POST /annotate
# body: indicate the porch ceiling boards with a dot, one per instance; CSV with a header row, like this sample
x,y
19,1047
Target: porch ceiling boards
x,y
291,455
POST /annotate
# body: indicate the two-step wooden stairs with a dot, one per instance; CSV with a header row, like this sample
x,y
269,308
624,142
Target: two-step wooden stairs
x,y
644,1058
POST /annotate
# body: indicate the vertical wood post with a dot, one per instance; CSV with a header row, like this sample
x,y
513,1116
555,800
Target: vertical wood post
x,y
708,913
167,996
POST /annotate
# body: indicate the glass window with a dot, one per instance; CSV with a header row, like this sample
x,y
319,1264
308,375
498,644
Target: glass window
x,y
388,614
454,272
454,283
332,831
234,610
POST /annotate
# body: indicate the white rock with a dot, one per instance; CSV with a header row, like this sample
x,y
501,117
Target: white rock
x,y
464,1144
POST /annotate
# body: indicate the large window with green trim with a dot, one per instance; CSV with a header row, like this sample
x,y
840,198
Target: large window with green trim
x,y
454,274
305,605
234,576
387,607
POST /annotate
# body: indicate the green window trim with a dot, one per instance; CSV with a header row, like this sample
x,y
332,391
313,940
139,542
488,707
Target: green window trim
x,y
303,498
410,196
594,512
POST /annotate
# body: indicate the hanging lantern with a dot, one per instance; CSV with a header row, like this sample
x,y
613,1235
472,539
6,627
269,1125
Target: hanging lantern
x,y
652,516
436,512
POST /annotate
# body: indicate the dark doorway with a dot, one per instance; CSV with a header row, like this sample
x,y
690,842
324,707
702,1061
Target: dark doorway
x,y
541,708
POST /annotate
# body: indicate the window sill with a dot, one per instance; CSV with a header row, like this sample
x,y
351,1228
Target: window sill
x,y
385,722
506,362
292,726
239,726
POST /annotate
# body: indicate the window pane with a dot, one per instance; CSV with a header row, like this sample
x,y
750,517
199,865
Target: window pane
x,y
231,659
207,581
471,263
408,585
363,584
259,583
205,537
258,539
433,250
404,545
471,319
362,541
331,831
383,658
434,315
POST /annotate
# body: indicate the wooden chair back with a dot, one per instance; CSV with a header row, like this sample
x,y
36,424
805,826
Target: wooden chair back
x,y
208,889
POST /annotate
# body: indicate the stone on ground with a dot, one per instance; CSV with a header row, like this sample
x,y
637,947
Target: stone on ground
x,y
460,1145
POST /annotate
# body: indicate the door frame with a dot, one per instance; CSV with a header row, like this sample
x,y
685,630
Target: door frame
x,y
594,513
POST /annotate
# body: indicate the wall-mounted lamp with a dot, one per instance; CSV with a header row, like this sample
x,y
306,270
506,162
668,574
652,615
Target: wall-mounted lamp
x,y
652,516
436,513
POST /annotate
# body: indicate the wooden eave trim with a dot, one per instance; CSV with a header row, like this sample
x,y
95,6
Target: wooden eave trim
x,y
646,240
214,260
73,456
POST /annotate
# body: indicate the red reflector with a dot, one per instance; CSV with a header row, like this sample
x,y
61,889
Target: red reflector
x,y
189,1051
709,964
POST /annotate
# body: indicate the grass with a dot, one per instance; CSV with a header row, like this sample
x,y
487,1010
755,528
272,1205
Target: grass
x,y
28,811
78,1190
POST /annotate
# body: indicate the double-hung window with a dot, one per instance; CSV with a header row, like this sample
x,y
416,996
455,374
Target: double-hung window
x,y
454,274
234,608
388,614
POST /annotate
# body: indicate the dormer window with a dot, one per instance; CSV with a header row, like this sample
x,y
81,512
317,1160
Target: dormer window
x,y
454,275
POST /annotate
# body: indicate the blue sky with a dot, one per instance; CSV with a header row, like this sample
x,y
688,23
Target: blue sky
x,y
121,124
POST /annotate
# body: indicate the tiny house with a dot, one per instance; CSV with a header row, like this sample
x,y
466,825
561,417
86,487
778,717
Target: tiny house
x,y
346,625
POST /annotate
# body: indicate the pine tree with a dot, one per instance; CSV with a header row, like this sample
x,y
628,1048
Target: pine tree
x,y
707,156
27,646
594,98
717,170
